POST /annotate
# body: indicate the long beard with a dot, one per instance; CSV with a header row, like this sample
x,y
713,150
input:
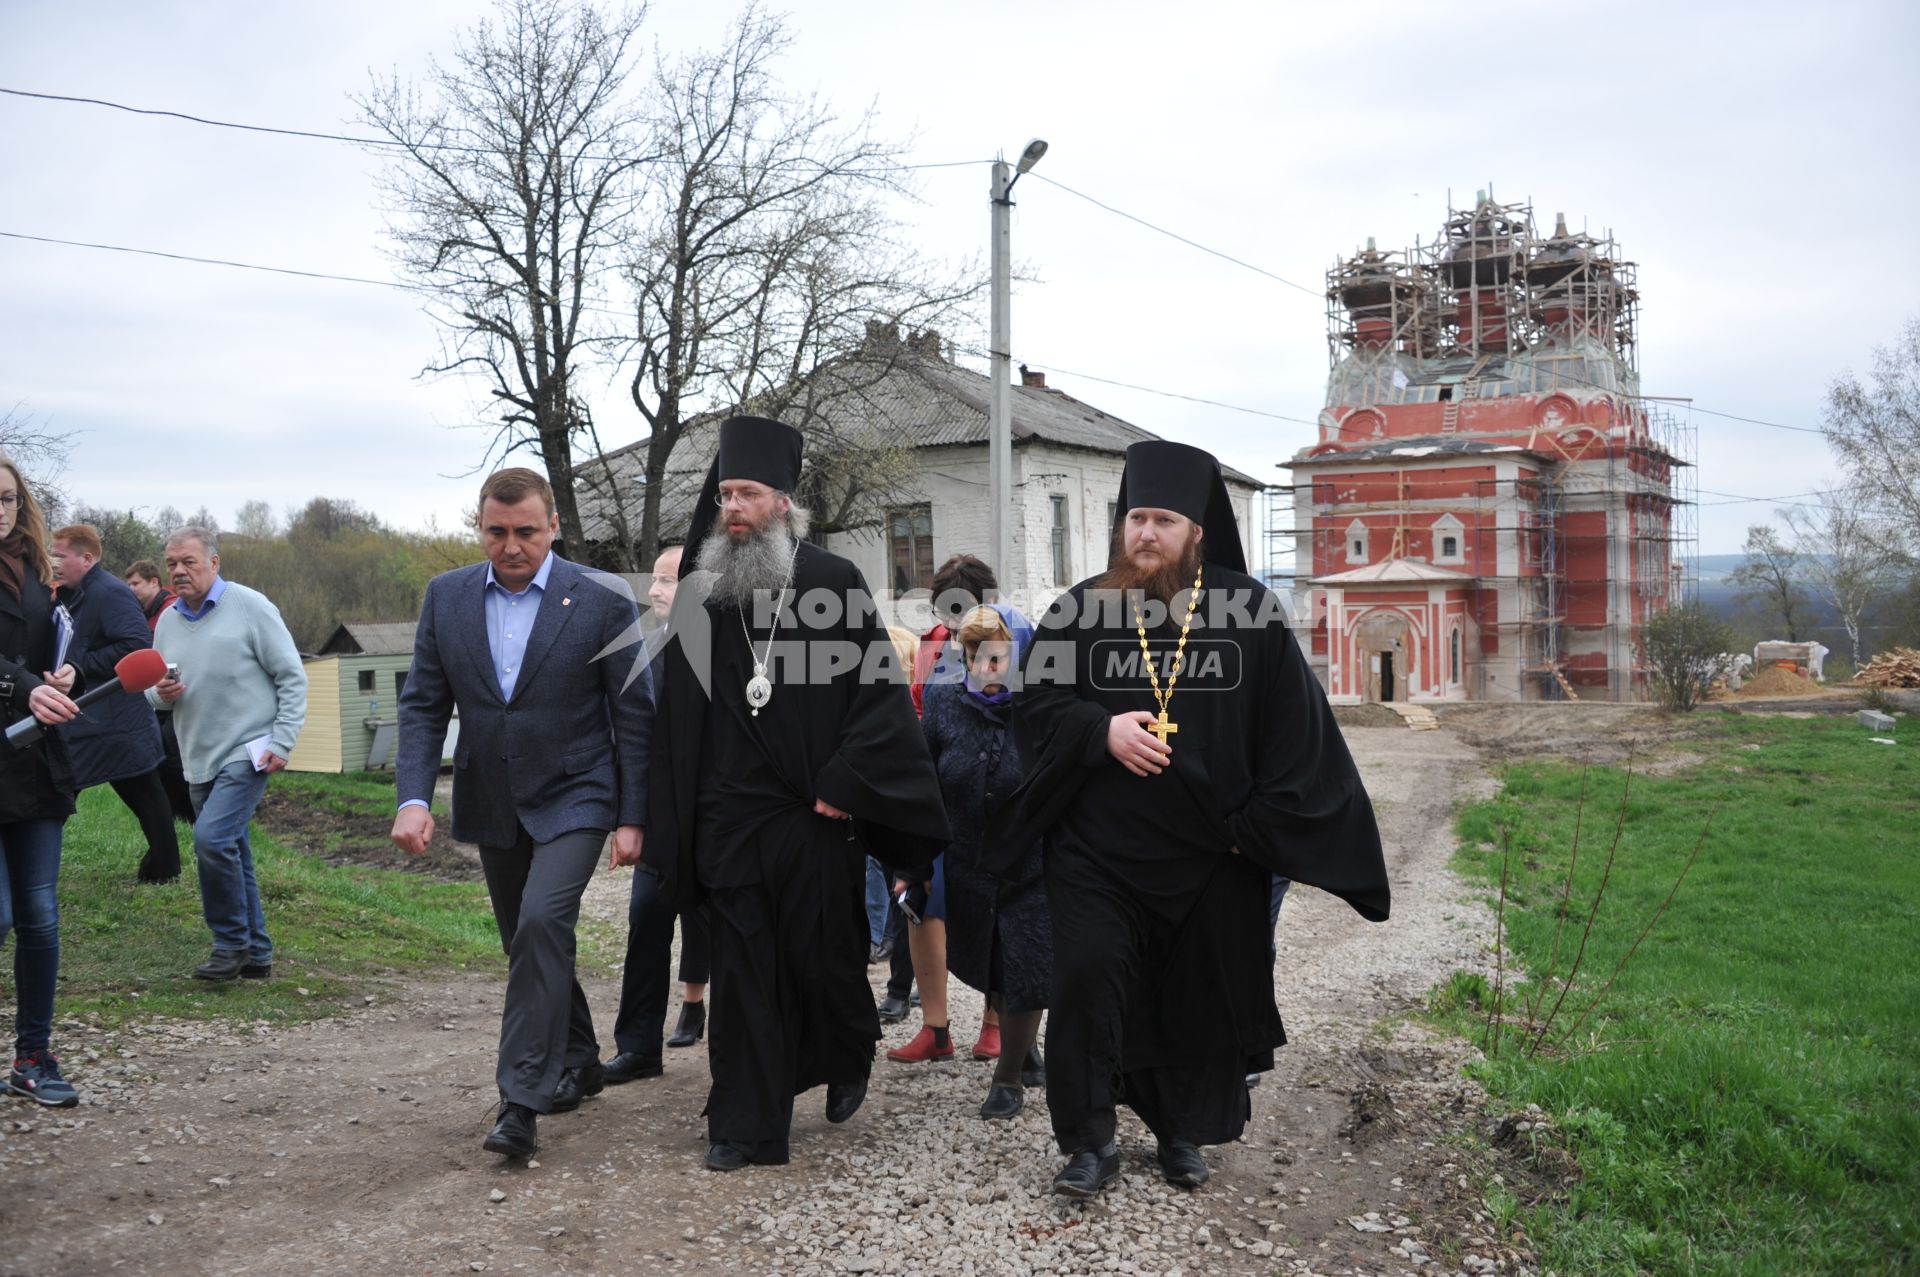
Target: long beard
x,y
742,569
1162,581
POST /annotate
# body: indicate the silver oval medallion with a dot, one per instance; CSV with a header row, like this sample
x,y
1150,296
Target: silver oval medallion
x,y
759,691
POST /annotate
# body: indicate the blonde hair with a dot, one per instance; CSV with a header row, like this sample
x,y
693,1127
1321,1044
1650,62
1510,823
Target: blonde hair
x,y
31,523
906,646
982,625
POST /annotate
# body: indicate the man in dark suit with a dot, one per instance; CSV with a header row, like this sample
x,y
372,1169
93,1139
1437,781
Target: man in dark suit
x,y
118,743
555,711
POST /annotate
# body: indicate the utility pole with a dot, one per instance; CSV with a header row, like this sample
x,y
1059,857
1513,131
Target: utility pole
x,y
1000,414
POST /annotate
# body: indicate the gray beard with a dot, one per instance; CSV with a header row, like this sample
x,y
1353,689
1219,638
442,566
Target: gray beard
x,y
741,570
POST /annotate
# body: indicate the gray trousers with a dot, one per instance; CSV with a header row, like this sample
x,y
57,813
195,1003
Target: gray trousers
x,y
545,1026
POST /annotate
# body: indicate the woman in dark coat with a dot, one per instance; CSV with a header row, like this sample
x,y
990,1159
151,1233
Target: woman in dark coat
x,y
999,934
36,787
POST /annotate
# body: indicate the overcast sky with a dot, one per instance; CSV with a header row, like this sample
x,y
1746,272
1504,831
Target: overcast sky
x,y
1756,160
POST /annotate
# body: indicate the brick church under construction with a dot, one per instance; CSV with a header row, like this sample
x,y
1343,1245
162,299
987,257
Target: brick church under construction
x,y
1492,509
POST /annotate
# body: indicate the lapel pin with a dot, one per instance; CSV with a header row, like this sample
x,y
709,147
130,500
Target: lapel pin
x,y
566,602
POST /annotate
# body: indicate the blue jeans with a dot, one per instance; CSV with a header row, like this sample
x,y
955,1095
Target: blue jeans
x,y
29,868
229,893
879,896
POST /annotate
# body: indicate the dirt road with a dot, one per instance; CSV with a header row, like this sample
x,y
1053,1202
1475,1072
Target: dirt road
x,y
353,1145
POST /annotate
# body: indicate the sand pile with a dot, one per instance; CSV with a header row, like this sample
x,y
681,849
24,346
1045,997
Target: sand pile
x,y
1775,681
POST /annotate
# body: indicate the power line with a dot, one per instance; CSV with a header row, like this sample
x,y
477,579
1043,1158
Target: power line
x,y
1317,293
979,353
1225,257
389,142
210,261
425,290
1789,499
1174,394
356,140
1752,421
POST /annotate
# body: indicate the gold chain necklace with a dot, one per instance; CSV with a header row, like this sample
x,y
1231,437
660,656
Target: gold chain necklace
x,y
1164,728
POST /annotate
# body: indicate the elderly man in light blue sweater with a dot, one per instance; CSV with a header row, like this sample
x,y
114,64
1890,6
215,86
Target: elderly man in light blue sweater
x,y
238,699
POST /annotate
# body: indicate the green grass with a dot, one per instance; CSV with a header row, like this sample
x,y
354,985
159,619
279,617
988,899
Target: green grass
x,y
338,933
1747,1098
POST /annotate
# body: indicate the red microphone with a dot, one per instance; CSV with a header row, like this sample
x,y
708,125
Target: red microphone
x,y
133,673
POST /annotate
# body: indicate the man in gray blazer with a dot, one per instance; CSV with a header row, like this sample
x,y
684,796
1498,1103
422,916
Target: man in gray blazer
x,y
555,711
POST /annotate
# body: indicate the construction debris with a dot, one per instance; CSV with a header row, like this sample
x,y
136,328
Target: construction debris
x,y
1418,717
1899,667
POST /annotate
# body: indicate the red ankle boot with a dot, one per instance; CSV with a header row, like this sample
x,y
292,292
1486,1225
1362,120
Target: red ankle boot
x,y
988,1047
928,1044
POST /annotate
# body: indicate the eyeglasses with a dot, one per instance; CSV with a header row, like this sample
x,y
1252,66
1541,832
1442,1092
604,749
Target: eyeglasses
x,y
9,499
723,499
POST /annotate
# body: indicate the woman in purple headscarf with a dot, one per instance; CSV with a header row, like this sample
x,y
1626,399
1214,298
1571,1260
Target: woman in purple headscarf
x,y
999,934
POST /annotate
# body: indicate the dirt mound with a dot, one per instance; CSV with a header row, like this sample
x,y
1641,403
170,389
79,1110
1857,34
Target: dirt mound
x,y
1366,716
1778,682
344,835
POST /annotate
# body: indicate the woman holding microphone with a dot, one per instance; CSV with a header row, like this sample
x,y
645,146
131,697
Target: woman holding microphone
x,y
36,786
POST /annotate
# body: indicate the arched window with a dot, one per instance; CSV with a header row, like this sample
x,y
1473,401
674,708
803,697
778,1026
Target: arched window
x,y
1357,542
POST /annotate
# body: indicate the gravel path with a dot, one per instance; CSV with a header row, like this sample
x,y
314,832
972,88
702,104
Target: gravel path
x,y
352,1145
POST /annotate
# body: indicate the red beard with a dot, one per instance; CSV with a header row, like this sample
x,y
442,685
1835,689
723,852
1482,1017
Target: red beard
x,y
1162,581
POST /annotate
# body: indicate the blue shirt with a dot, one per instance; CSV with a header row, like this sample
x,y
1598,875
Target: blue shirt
x,y
510,620
206,604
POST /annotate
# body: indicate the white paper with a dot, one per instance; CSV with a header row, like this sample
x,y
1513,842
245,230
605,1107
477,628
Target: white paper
x,y
257,751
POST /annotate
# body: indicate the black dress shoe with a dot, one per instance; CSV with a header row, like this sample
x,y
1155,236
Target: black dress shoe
x,y
725,1157
221,967
1003,1102
1184,1166
692,1025
577,1084
844,1099
1033,1070
513,1134
257,971
630,1066
1085,1174
893,1009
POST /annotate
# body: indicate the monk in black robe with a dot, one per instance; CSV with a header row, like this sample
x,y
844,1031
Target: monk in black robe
x,y
1165,814
788,751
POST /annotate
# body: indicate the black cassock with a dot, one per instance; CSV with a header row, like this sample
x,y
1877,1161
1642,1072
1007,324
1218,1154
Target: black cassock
x,y
1163,983
731,806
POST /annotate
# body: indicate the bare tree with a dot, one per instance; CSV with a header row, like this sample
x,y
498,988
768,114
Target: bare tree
x,y
42,453
256,519
764,255
511,204
1769,579
1843,556
1875,429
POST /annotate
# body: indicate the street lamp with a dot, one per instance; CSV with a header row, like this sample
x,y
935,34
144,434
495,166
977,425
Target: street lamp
x,y
1000,414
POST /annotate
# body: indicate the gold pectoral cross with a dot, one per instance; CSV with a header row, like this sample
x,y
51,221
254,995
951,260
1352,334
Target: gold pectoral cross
x,y
1163,728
